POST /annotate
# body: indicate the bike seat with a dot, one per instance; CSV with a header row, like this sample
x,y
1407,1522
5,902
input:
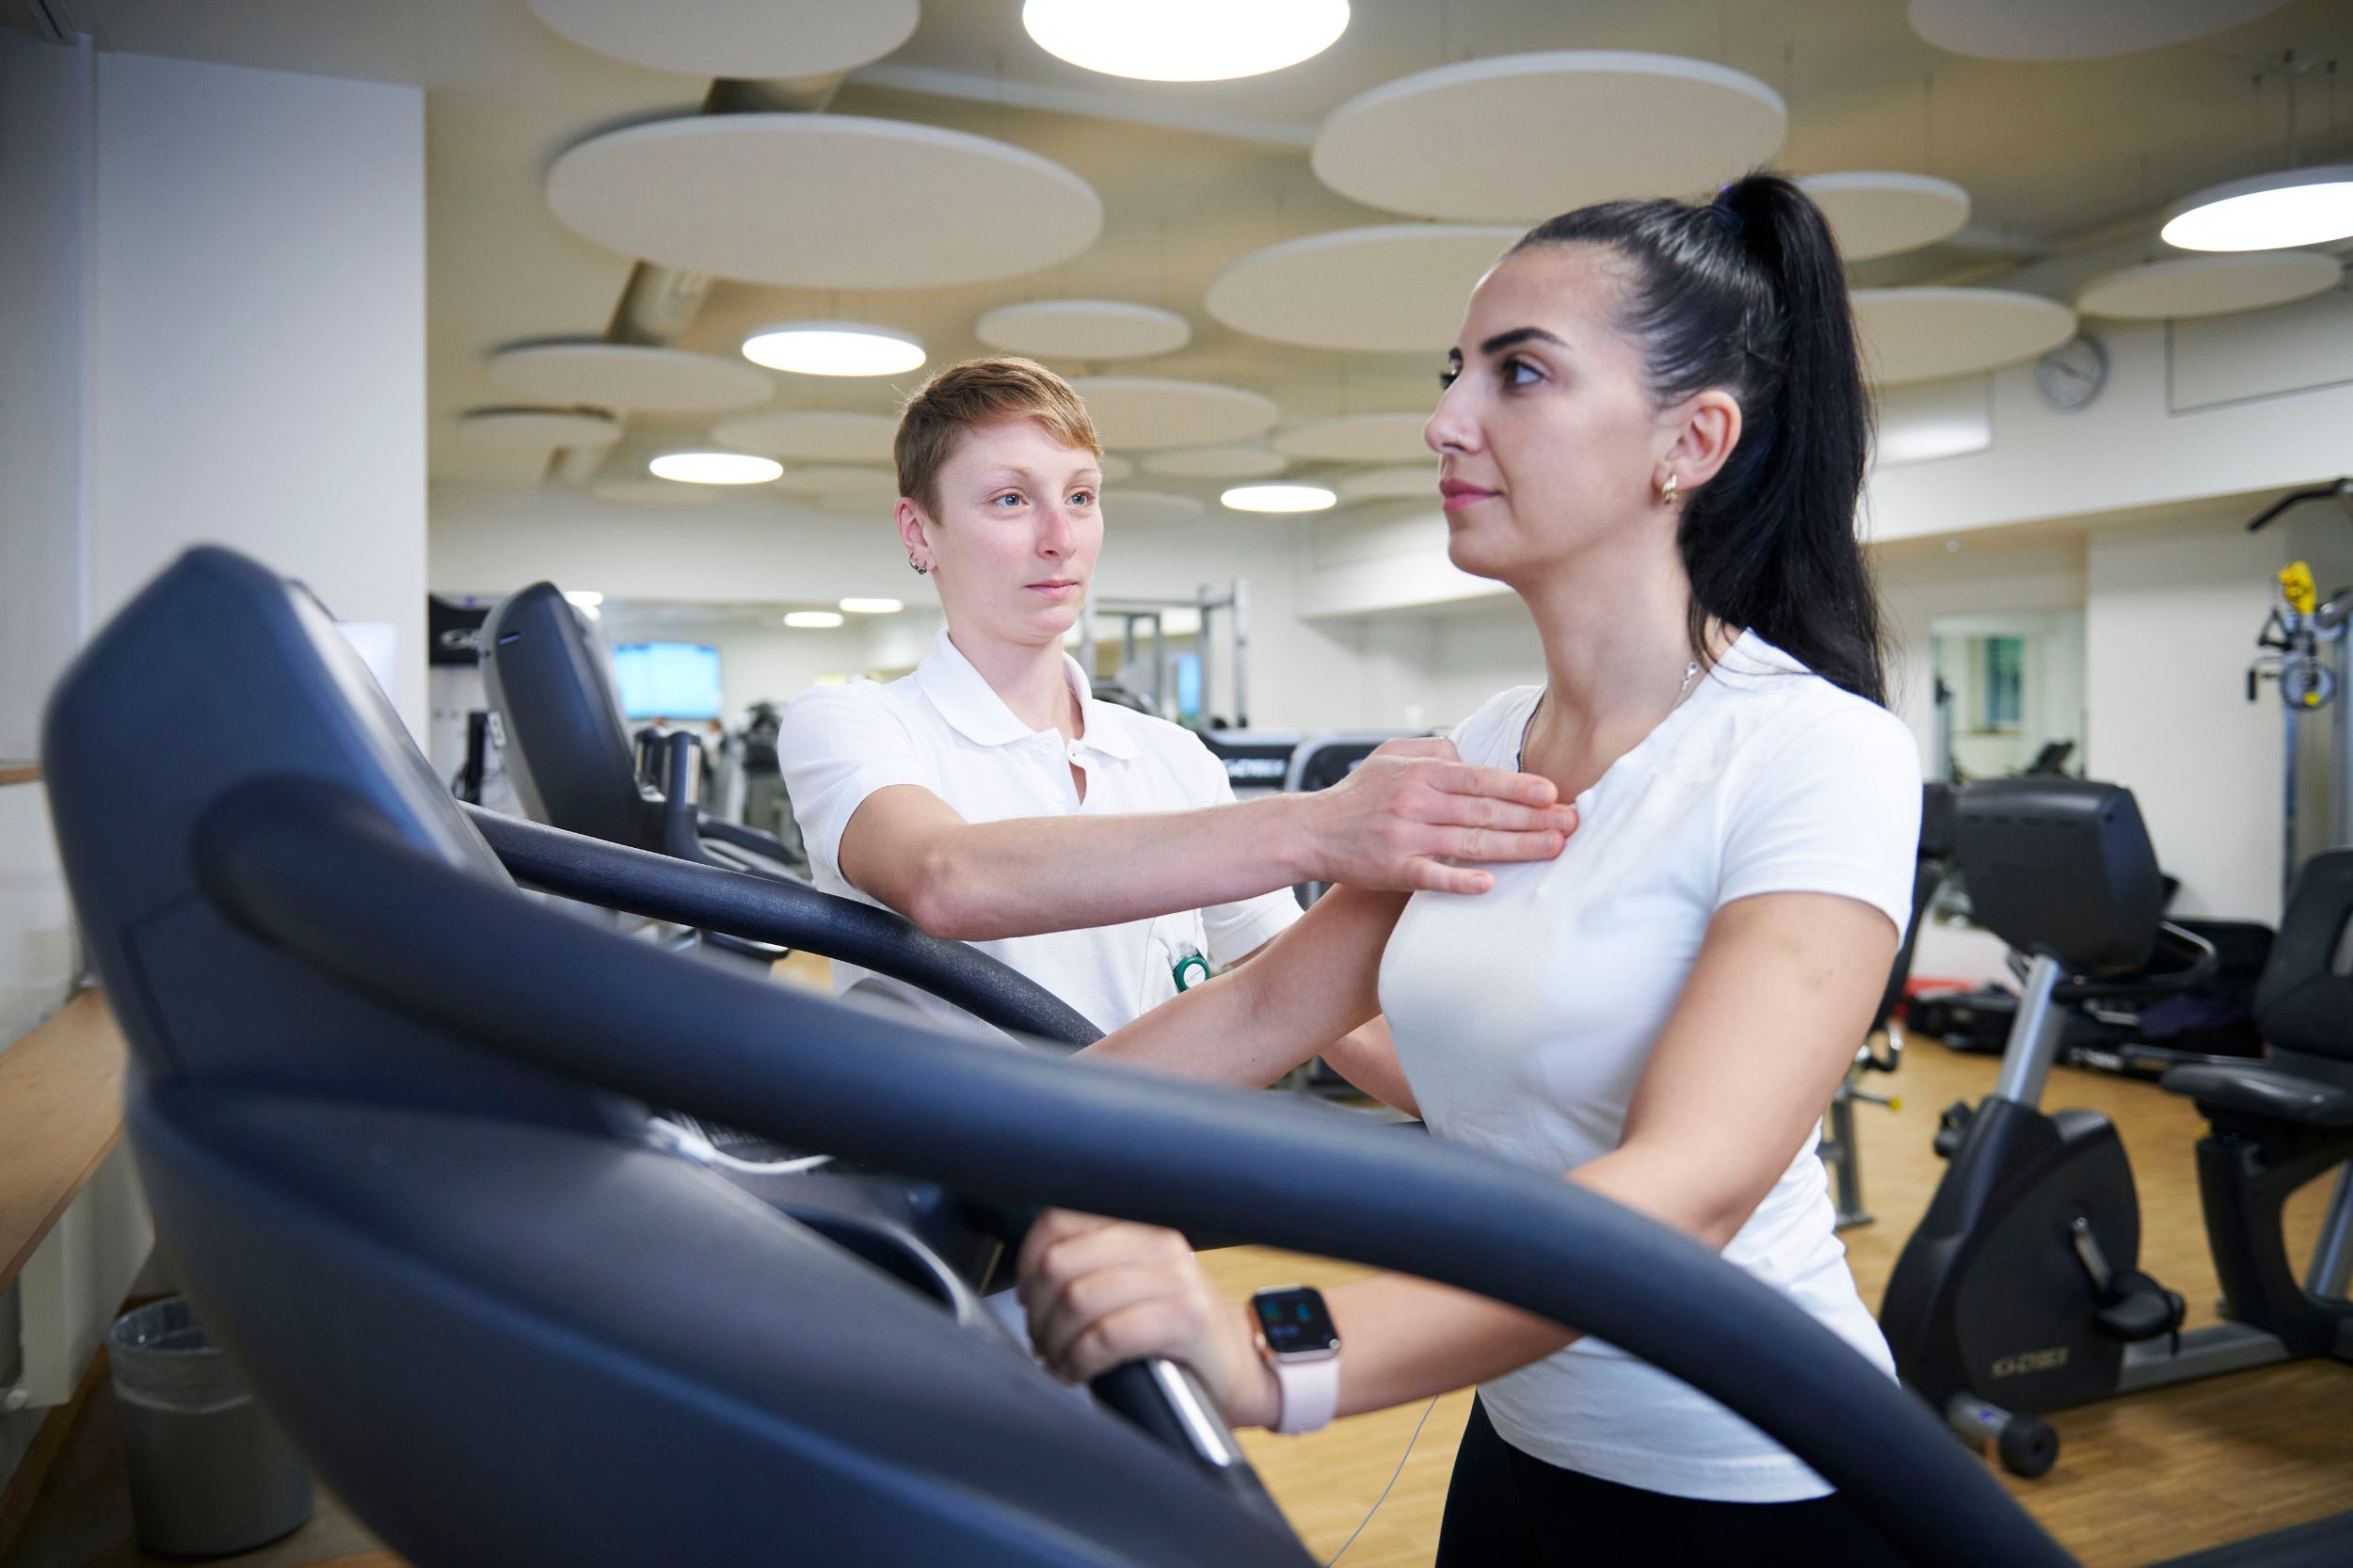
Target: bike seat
x,y
2264,1091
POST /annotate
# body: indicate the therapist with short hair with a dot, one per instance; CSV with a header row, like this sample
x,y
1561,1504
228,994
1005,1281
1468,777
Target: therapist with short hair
x,y
991,798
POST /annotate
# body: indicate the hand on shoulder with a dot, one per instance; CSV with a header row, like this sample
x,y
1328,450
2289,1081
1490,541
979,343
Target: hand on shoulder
x,y
1415,806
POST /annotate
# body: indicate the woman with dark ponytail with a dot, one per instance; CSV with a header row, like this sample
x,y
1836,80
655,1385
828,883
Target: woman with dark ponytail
x,y
1654,430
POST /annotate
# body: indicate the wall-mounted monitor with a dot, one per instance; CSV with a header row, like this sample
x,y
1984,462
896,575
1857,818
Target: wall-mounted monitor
x,y
676,681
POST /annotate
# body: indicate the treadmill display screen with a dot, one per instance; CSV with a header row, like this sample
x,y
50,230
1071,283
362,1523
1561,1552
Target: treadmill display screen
x,y
675,680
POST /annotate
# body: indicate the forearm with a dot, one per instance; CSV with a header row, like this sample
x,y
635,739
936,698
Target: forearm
x,y
1404,1338
1218,1031
1310,986
983,881
1367,1056
1412,1339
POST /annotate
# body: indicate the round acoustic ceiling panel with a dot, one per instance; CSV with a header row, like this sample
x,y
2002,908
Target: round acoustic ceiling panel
x,y
1358,438
1418,483
653,492
1925,334
1144,413
822,201
541,429
1876,214
1151,508
1083,329
2210,285
1396,287
1527,136
2078,30
1216,462
758,39
628,375
805,435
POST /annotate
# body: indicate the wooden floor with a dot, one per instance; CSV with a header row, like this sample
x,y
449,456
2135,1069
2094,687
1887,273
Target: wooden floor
x,y
2139,1479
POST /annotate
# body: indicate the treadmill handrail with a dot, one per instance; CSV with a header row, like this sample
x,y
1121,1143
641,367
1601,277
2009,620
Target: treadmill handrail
x,y
433,941
789,914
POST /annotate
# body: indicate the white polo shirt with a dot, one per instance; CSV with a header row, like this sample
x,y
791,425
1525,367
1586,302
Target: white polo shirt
x,y
945,730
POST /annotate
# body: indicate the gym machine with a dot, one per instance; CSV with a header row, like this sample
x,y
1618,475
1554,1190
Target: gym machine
x,y
1838,1146
572,758
2311,659
368,1075
2020,1291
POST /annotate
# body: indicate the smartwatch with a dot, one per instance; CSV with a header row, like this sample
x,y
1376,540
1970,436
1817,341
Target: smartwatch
x,y
1297,1337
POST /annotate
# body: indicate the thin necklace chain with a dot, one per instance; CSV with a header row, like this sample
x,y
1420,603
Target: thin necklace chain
x,y
1690,678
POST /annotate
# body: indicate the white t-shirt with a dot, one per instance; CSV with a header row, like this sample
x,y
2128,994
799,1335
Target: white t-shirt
x,y
1524,1017
944,729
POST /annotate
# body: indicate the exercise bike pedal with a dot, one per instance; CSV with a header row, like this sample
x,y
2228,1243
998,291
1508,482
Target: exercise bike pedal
x,y
1952,1124
2139,1308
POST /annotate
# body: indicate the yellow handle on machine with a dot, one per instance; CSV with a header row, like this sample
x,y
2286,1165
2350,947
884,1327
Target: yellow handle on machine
x,y
2297,588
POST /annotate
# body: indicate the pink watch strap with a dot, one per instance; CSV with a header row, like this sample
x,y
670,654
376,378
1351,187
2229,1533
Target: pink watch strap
x,y
1311,1393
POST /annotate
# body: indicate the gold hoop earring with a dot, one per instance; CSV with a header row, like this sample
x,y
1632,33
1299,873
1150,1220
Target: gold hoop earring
x,y
1667,492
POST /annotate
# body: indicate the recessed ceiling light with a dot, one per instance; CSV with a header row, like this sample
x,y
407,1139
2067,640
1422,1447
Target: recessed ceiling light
x,y
813,621
2269,212
1185,40
872,607
1278,498
715,467
588,599
833,348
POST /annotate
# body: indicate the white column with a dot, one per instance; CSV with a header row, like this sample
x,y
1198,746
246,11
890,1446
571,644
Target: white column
x,y
257,367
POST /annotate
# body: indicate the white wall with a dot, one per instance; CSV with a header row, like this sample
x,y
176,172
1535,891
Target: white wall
x,y
46,145
492,539
2170,624
258,363
212,329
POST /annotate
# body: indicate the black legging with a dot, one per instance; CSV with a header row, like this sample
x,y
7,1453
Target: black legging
x,y
1505,1509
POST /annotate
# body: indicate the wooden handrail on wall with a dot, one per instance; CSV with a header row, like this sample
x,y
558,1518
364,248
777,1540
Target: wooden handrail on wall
x,y
20,772
60,1117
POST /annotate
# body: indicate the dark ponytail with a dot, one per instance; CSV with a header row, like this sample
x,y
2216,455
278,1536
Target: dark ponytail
x,y
1747,293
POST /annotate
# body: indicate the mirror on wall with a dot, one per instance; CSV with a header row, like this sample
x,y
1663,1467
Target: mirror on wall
x,y
2009,694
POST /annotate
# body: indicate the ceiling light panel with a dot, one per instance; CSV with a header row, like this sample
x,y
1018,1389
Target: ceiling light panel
x,y
715,467
1277,498
2268,211
833,348
1185,40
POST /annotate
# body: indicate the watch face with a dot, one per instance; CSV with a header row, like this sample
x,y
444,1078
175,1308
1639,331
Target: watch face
x,y
1294,1321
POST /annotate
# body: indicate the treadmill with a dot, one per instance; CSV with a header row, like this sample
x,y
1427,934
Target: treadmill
x,y
575,764
389,1115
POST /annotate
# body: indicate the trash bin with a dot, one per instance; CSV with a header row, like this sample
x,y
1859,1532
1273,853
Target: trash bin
x,y
211,1474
